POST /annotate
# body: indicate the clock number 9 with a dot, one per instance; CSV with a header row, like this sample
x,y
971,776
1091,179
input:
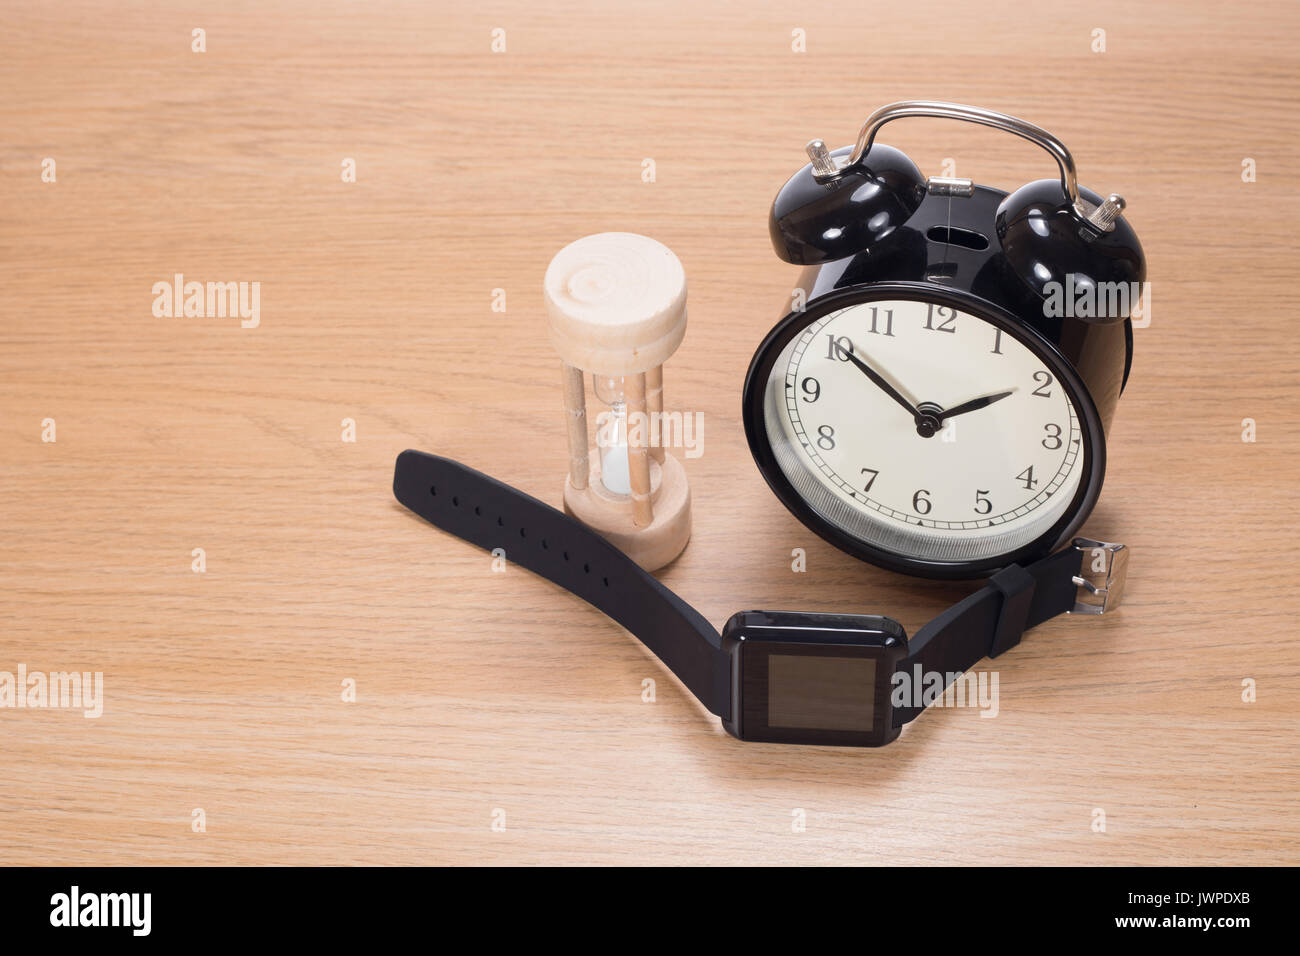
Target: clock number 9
x,y
920,504
811,387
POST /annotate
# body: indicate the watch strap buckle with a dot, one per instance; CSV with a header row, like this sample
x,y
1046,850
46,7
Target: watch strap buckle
x,y
1103,568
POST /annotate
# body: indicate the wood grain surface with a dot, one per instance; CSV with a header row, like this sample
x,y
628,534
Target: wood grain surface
x,y
479,692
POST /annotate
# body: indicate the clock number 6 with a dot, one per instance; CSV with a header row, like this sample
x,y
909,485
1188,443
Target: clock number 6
x,y
920,504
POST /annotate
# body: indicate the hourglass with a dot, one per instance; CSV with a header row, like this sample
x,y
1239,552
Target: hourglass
x,y
616,302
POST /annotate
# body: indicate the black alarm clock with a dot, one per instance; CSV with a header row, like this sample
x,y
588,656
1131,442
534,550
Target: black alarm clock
x,y
938,401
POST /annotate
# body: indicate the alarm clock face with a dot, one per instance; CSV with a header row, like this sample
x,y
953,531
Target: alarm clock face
x,y
924,431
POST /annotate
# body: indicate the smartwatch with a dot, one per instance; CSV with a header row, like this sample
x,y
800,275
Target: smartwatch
x,y
793,677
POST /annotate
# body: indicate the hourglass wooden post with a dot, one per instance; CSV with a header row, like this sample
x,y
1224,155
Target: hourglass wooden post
x,y
616,302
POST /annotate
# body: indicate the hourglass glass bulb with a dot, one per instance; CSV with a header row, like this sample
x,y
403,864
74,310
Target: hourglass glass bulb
x,y
608,388
611,433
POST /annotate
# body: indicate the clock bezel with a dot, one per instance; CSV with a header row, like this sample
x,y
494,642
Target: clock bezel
x,y
1091,430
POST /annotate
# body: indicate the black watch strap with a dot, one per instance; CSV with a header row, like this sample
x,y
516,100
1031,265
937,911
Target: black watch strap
x,y
992,619
491,514
1085,577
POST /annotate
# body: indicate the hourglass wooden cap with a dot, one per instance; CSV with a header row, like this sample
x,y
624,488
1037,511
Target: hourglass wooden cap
x,y
616,303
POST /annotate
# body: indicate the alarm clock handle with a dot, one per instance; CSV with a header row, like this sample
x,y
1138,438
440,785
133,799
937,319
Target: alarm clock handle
x,y
1101,216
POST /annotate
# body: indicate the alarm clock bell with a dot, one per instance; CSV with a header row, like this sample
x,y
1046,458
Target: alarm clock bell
x,y
1078,246
816,220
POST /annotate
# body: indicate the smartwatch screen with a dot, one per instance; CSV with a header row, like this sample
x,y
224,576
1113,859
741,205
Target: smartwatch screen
x,y
831,693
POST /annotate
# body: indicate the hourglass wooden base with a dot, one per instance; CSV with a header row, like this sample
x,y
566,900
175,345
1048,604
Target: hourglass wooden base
x,y
654,545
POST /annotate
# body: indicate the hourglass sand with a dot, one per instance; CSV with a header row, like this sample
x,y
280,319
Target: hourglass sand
x,y
617,308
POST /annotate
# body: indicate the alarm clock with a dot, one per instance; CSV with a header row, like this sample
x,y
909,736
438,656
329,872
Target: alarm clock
x,y
937,402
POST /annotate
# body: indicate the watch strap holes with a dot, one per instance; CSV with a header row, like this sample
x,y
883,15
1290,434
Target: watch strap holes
x,y
547,542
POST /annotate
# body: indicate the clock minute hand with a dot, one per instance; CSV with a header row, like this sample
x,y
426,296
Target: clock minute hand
x,y
883,385
975,403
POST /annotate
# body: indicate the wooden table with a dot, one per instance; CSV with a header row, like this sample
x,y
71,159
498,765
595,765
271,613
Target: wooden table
x,y
484,696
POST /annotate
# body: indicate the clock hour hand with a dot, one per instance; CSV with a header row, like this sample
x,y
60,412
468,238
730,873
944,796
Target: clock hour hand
x,y
883,385
975,403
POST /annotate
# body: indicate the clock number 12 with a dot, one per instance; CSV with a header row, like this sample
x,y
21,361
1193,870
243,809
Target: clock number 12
x,y
947,317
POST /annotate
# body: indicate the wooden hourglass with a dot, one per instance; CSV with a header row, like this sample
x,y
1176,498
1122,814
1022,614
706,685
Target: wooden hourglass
x,y
617,308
